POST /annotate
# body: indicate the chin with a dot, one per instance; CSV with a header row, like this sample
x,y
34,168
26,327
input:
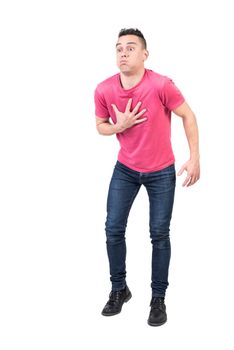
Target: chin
x,y
125,70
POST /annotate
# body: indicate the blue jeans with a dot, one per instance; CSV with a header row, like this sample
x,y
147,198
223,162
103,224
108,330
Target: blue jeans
x,y
124,186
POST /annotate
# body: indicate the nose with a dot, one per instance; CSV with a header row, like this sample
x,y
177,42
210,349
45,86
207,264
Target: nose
x,y
124,53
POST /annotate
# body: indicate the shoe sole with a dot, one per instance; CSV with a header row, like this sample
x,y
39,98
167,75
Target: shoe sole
x,y
156,324
116,313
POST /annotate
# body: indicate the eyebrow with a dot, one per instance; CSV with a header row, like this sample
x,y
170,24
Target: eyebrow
x,y
130,42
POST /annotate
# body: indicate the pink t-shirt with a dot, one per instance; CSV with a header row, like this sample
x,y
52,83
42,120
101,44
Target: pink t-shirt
x,y
145,147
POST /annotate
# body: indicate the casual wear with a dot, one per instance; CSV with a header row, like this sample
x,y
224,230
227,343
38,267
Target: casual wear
x,y
124,186
145,158
158,315
145,147
115,302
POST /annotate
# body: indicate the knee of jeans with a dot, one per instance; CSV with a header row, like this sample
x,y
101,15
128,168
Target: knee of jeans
x,y
114,226
112,239
115,231
160,239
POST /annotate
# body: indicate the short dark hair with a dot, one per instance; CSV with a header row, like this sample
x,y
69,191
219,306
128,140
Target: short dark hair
x,y
133,31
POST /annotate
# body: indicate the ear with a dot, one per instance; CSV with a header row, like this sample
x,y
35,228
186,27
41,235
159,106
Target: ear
x,y
146,55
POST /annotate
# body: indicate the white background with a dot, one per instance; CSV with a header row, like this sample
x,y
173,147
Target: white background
x,y
55,172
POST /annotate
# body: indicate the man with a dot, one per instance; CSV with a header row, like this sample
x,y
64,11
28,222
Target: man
x,y
139,103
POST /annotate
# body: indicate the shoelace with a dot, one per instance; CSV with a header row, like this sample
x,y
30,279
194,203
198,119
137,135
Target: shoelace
x,y
157,303
115,296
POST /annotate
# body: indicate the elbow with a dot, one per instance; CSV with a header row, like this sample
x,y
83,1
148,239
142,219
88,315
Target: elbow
x,y
99,130
189,116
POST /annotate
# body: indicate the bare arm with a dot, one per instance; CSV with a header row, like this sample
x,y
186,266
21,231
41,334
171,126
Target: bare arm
x,y
192,166
124,120
104,127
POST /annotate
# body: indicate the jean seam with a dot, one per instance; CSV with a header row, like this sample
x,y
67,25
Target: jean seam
x,y
131,202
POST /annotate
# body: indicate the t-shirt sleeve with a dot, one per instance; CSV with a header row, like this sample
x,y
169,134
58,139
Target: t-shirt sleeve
x,y
170,95
101,109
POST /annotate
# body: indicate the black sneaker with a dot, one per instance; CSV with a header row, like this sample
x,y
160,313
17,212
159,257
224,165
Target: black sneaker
x,y
157,316
115,302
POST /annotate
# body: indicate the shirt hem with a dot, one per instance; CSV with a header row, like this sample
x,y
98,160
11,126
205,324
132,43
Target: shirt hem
x,y
141,170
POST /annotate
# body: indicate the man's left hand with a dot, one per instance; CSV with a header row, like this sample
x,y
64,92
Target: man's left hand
x,y
193,172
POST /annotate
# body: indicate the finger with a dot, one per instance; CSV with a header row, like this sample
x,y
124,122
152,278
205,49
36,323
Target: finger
x,y
181,171
127,109
115,108
191,182
186,181
140,120
135,110
140,113
194,178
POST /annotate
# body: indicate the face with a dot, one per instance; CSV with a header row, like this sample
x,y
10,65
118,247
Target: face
x,y
130,54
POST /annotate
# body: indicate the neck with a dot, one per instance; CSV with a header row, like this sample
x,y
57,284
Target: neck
x,y
129,80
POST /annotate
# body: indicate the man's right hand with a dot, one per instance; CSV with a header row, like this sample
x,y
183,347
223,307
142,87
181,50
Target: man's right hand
x,y
128,118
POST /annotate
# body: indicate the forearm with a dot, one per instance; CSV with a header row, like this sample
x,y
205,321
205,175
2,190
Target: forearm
x,y
108,129
191,131
192,166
